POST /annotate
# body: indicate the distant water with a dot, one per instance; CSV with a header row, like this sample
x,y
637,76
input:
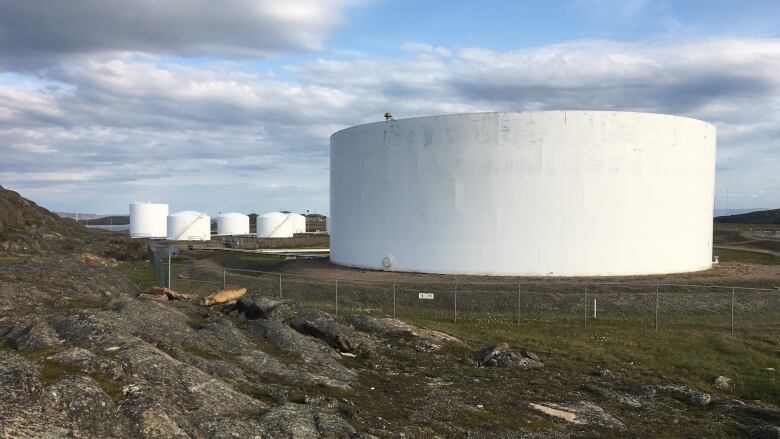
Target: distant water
x,y
112,228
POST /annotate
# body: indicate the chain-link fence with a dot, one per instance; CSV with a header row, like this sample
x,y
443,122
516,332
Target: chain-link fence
x,y
651,306
160,266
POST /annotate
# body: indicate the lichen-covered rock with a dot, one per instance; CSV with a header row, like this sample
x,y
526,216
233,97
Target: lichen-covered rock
x,y
297,421
687,394
317,355
84,403
388,327
700,399
257,307
645,390
619,397
723,383
579,412
267,366
39,335
324,327
20,378
764,432
72,356
502,355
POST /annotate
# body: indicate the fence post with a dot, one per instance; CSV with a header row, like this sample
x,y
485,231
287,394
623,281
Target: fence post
x,y
394,300
280,285
732,310
224,278
518,304
657,287
169,269
585,301
337,297
456,302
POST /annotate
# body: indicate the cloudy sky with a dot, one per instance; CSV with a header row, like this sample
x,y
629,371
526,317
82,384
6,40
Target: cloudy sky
x,y
229,105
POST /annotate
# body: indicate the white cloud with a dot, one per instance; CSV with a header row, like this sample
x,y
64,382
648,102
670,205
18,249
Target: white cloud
x,y
34,148
34,33
227,138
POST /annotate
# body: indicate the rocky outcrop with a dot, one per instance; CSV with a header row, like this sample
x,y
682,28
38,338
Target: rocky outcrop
x,y
38,335
296,421
501,355
263,307
314,353
618,397
162,294
323,326
20,215
82,355
20,378
89,258
579,412
421,339
26,228
691,396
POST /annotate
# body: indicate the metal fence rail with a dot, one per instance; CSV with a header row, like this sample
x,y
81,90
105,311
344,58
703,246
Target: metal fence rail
x,y
649,305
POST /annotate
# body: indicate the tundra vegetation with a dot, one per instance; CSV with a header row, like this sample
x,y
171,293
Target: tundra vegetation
x,y
90,349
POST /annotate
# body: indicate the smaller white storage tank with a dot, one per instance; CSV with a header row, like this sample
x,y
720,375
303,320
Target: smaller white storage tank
x,y
298,223
189,226
232,223
148,220
274,225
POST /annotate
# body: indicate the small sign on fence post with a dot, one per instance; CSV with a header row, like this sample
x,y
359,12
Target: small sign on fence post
x,y
425,296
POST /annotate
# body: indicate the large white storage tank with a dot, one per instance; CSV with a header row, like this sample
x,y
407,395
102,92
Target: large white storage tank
x,y
232,223
148,220
189,226
298,223
274,225
562,193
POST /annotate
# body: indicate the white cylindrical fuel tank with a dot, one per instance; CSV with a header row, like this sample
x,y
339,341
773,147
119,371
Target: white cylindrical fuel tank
x,y
189,226
561,193
274,225
148,220
298,223
232,223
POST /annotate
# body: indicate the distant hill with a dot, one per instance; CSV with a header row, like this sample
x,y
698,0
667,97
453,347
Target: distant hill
x,y
760,217
721,211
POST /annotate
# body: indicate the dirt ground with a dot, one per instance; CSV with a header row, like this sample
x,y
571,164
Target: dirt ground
x,y
730,273
744,261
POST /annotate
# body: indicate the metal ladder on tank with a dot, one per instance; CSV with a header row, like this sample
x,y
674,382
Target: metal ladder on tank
x,y
178,237
280,225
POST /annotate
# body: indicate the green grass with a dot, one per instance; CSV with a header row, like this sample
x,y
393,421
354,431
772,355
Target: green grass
x,y
139,272
746,256
693,355
53,372
689,347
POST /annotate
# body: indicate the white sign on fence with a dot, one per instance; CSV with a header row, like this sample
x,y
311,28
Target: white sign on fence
x,y
425,295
